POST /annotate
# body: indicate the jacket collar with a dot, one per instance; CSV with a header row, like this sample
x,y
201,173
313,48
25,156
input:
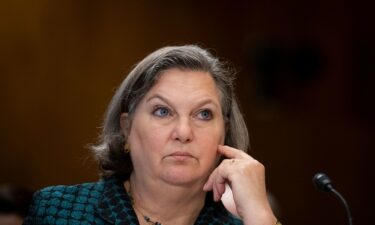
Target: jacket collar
x,y
115,206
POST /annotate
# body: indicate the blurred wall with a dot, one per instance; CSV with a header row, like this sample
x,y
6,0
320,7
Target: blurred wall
x,y
305,83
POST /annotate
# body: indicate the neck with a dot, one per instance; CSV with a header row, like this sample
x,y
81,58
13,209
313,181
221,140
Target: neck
x,y
165,203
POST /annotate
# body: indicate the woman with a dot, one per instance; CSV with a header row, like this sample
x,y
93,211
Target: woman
x,y
169,146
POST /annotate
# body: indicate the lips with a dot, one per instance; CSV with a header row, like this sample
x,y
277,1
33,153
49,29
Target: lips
x,y
181,156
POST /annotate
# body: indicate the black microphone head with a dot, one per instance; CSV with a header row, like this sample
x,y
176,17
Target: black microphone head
x,y
322,182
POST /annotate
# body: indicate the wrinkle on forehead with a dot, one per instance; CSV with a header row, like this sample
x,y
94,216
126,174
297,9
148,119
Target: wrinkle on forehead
x,y
173,81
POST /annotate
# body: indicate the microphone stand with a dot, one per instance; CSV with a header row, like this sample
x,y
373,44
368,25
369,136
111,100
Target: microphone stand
x,y
323,183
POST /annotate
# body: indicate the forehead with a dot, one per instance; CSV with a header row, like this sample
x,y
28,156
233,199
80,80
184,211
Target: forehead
x,y
189,82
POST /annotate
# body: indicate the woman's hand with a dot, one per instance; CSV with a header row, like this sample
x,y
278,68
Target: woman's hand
x,y
246,178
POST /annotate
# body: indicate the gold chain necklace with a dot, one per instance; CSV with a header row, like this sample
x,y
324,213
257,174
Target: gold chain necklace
x,y
146,218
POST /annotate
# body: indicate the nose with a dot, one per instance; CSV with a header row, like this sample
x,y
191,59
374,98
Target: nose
x,y
183,131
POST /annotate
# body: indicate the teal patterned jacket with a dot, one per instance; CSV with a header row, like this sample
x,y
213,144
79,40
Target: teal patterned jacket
x,y
103,202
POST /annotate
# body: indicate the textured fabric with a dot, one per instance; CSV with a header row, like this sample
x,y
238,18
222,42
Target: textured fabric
x,y
103,202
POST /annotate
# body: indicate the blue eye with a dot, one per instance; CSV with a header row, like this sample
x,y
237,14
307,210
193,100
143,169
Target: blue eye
x,y
161,112
205,114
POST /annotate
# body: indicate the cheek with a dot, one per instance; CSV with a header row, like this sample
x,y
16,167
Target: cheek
x,y
147,138
209,143
208,146
214,136
209,158
145,148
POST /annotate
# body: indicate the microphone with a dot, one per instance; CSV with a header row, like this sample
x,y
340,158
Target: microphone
x,y
324,184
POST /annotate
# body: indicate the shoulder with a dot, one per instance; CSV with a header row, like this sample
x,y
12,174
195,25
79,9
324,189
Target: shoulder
x,y
80,193
63,203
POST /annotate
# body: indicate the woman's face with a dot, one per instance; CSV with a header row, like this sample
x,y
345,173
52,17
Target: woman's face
x,y
177,128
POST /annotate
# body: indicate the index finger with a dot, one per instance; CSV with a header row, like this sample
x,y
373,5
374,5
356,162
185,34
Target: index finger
x,y
232,153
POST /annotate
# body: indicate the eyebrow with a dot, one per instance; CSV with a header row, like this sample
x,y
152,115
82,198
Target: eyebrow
x,y
200,103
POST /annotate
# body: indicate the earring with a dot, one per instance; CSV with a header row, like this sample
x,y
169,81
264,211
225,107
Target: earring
x,y
127,148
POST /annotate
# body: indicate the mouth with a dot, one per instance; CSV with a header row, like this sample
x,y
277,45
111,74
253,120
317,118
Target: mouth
x,y
180,156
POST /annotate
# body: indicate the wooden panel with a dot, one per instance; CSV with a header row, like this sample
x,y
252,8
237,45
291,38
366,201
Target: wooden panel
x,y
61,61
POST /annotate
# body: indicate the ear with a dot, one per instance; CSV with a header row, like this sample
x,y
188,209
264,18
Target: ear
x,y
124,123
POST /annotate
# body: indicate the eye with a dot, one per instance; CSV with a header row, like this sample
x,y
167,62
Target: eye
x,y
161,111
205,114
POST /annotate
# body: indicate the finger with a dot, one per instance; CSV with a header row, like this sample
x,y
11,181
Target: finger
x,y
208,185
216,183
231,153
219,187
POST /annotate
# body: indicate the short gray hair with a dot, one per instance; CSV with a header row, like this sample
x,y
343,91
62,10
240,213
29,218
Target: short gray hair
x,y
109,152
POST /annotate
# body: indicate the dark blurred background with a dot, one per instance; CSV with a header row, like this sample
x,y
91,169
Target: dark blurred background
x,y
305,84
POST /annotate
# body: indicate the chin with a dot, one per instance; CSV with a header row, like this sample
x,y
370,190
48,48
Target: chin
x,y
181,178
